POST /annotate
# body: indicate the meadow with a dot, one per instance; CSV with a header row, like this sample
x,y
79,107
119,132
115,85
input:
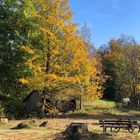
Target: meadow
x,y
91,112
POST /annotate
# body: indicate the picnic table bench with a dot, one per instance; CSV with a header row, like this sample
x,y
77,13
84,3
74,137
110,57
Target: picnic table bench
x,y
116,124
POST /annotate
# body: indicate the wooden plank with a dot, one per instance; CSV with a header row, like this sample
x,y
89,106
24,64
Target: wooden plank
x,y
117,120
119,126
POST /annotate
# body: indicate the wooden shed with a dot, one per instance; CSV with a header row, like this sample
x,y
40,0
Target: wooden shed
x,y
34,99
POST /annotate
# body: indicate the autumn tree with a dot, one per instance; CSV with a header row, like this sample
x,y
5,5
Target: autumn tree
x,y
97,77
121,63
132,61
59,60
55,50
42,49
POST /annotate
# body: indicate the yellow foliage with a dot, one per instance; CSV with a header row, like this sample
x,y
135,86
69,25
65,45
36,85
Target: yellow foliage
x,y
27,49
62,59
52,76
23,81
55,52
57,67
36,14
138,87
42,29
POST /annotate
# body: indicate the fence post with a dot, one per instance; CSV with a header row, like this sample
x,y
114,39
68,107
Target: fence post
x,y
138,104
104,128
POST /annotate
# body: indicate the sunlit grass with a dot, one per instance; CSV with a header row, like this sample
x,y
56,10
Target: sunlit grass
x,y
91,109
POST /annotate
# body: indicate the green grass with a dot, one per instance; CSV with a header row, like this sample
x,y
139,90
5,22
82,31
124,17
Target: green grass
x,y
102,107
106,108
93,105
92,111
99,103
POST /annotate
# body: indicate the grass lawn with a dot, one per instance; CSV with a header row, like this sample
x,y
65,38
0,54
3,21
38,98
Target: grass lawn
x,y
91,112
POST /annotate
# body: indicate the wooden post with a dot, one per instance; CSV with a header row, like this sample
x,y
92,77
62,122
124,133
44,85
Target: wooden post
x,y
104,128
138,104
80,104
43,108
43,102
132,126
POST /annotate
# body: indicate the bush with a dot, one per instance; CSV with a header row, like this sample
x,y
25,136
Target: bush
x,y
53,112
2,114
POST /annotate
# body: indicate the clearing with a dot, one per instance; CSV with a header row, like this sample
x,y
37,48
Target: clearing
x,y
92,111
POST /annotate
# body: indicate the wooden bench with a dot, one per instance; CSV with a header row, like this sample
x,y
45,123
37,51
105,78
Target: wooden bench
x,y
116,124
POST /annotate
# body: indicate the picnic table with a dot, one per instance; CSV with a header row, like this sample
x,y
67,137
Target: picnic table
x,y
116,124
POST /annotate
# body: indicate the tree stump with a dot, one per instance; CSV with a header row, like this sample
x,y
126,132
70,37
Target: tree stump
x,y
75,131
3,120
21,126
44,124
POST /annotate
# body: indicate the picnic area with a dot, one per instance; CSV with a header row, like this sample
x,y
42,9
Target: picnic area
x,y
92,111
69,70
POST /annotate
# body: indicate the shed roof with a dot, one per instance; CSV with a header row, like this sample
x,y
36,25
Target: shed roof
x,y
30,94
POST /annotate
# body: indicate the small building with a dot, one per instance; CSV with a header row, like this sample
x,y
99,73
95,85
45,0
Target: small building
x,y
34,100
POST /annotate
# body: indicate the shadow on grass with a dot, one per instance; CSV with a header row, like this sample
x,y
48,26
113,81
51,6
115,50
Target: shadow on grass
x,y
88,136
97,136
98,116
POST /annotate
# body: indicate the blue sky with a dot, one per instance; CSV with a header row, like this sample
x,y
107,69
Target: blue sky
x,y
108,19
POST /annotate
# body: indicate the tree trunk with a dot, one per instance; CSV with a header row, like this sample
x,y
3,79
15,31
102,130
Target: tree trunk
x,y
48,60
80,103
45,91
43,108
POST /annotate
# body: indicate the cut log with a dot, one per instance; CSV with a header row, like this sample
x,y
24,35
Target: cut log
x,y
75,130
44,124
21,126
